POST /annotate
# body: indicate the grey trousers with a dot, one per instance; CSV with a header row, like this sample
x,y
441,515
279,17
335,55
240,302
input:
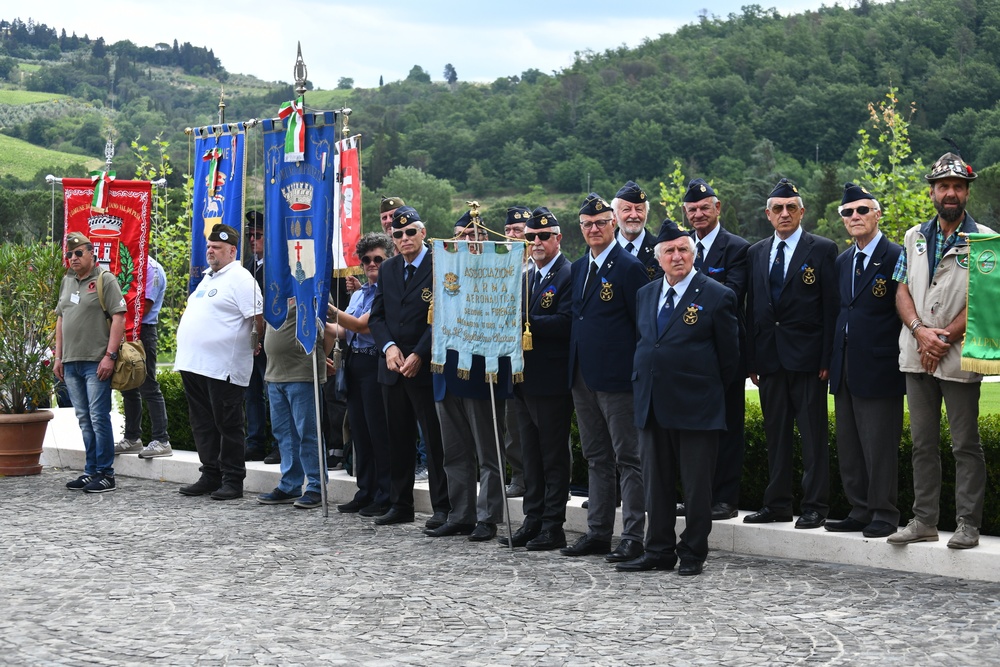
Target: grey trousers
x,y
961,399
516,414
467,434
609,441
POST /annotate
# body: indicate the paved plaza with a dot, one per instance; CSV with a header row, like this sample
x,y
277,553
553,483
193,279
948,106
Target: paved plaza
x,y
145,576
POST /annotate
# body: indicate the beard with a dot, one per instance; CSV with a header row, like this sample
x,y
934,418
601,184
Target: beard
x,y
949,214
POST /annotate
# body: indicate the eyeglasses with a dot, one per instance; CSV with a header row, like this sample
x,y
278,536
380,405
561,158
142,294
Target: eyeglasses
x,y
600,224
255,235
541,236
77,253
398,234
368,259
791,208
848,212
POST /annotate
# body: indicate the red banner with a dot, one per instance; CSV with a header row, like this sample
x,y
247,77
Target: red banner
x,y
347,207
120,235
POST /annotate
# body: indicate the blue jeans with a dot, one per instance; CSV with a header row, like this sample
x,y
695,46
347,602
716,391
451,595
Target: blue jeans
x,y
293,423
92,401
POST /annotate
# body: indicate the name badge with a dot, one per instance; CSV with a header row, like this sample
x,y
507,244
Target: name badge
x,y
74,298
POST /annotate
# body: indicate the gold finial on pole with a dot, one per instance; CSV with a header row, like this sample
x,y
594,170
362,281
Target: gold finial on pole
x,y
300,72
222,105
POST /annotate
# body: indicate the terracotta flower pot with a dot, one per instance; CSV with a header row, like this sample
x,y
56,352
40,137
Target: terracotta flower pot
x,y
21,438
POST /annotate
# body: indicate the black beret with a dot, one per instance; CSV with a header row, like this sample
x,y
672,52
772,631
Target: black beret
x,y
464,221
542,218
854,192
594,204
389,203
697,190
403,216
224,233
669,231
631,192
517,214
785,189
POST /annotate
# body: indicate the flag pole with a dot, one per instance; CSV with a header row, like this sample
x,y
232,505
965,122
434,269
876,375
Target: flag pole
x,y
323,472
501,466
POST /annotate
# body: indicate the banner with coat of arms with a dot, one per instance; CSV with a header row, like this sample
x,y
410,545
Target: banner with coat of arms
x,y
298,209
477,305
118,227
981,348
219,175
347,207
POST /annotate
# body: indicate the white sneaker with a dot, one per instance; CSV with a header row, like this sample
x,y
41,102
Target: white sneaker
x,y
965,536
155,449
126,446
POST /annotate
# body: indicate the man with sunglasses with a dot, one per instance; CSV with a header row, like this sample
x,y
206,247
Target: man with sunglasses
x,y
864,372
931,298
722,256
631,208
514,227
792,306
604,286
86,350
256,393
398,321
544,397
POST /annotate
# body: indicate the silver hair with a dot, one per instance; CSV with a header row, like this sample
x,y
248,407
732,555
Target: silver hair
x,y
614,206
658,249
770,199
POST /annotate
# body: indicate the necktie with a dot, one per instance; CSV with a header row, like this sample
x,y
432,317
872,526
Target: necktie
x,y
777,275
630,248
408,273
663,317
591,280
699,259
859,268
536,283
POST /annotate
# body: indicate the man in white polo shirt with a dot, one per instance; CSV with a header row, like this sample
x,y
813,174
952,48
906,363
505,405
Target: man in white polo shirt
x,y
215,354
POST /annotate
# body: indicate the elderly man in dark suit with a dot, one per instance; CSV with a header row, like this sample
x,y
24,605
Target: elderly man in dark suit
x,y
398,321
543,398
865,379
686,355
722,256
631,209
604,284
792,306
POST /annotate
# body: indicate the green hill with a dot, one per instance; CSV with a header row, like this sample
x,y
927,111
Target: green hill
x,y
24,161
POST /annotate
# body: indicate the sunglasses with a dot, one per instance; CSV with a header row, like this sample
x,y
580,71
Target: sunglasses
x,y
398,234
255,235
368,259
541,236
72,253
848,212
600,224
791,208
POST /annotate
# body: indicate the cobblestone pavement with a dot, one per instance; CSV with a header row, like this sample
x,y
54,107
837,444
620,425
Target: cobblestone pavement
x,y
145,576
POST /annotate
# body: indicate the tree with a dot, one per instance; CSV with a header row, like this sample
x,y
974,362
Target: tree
x,y
380,81
418,75
450,75
345,83
429,195
98,51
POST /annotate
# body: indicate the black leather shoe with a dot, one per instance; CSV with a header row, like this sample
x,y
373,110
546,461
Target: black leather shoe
x,y
690,568
587,546
449,529
648,561
810,519
375,509
585,504
766,515
253,454
847,525
352,507
723,511
547,540
201,487
228,492
273,457
877,529
437,520
394,516
522,535
625,551
483,532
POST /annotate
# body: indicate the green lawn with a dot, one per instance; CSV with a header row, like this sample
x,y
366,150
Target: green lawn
x,y
989,400
327,99
24,160
18,97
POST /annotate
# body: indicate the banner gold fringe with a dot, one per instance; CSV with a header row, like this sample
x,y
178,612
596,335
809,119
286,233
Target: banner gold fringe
x,y
348,271
526,339
982,366
491,378
462,373
518,378
437,368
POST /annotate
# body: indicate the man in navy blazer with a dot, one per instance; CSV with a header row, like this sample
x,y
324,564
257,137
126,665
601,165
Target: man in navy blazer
x,y
631,209
865,379
722,256
602,342
686,356
398,321
792,306
543,398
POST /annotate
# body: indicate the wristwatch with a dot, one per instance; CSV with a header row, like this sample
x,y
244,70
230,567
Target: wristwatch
x,y
112,355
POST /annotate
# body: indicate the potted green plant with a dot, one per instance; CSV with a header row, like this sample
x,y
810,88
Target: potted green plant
x,y
29,288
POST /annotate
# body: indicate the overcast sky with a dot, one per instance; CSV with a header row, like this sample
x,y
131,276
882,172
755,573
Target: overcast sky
x,y
365,40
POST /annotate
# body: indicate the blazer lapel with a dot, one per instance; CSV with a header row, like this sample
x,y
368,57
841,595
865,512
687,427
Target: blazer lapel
x,y
874,267
802,250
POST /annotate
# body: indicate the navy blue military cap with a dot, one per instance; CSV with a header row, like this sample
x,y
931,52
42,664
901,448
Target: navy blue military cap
x,y
594,204
669,231
517,215
785,189
854,192
697,190
403,216
255,220
631,192
464,221
542,218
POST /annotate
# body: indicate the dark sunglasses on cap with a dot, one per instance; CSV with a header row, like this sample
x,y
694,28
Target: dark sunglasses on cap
x,y
412,231
71,253
368,259
848,212
541,236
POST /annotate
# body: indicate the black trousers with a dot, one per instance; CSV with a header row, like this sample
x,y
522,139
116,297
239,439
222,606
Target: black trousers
x,y
408,403
545,457
216,411
366,411
732,446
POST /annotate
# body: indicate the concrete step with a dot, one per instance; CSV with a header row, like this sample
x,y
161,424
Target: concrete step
x,y
64,449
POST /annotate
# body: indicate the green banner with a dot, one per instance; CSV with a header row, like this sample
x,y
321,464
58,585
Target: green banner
x,y
981,349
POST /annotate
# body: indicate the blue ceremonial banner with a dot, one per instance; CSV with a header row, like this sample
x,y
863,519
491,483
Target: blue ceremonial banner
x,y
477,304
298,217
219,176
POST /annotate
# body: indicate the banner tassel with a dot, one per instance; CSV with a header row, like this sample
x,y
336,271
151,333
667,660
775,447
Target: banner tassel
x,y
526,339
430,313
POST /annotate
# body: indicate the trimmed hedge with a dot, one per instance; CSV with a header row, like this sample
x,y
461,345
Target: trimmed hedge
x,y
755,474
